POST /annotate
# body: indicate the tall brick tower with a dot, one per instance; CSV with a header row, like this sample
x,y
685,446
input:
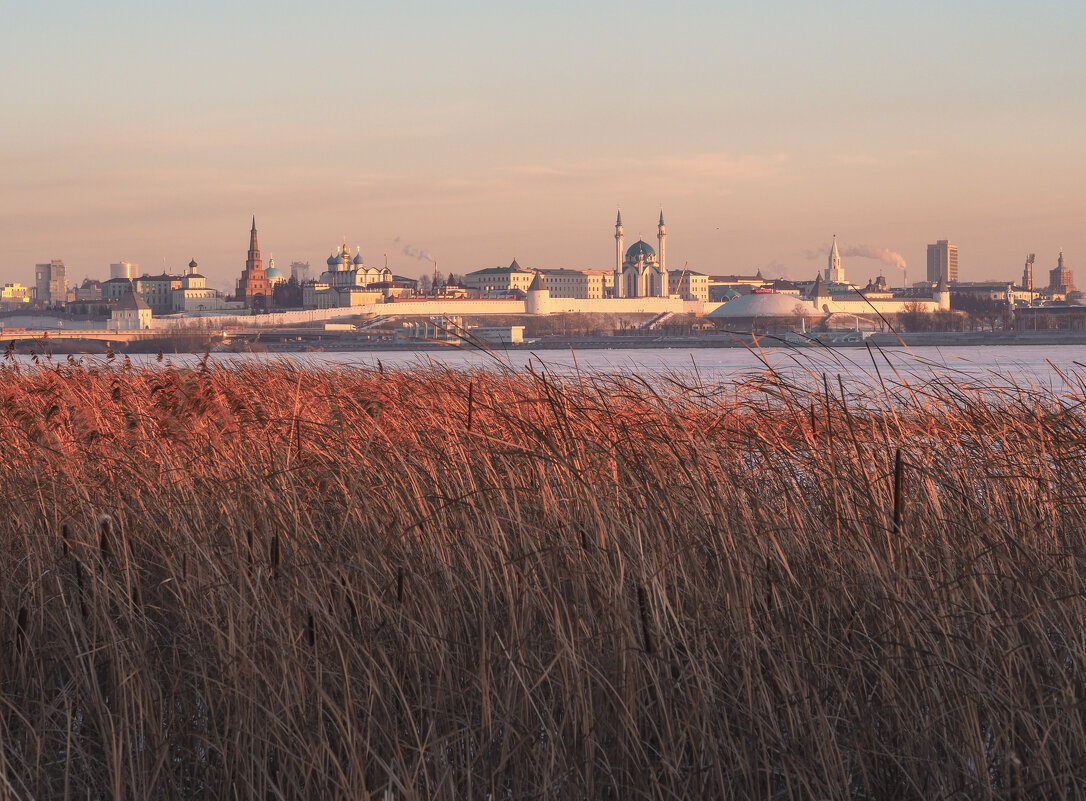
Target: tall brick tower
x,y
253,287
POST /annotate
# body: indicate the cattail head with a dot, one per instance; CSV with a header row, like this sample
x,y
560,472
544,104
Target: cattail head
x,y
20,629
105,532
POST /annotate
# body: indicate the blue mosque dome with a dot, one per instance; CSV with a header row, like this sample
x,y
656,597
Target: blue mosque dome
x,y
640,248
274,272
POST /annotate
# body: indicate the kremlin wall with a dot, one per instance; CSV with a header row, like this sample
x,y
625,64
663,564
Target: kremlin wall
x,y
636,285
639,282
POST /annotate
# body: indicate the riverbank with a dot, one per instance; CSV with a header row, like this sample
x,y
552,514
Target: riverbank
x,y
301,341
351,343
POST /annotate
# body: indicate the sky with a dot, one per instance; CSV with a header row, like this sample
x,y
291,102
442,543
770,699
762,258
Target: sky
x,y
480,132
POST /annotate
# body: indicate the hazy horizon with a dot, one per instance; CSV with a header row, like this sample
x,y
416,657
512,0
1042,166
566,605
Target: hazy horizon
x,y
486,133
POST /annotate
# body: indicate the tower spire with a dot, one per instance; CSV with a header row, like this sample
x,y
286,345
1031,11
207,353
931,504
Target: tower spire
x,y
834,273
661,255
618,290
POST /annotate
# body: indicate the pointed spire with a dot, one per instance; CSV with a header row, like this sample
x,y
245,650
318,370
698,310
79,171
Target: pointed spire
x,y
618,222
254,248
833,266
661,217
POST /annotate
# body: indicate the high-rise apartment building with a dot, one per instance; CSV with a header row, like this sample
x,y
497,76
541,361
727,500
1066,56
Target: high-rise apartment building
x,y
943,262
124,269
51,283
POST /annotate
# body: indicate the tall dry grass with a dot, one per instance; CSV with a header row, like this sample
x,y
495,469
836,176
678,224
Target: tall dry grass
x,y
269,582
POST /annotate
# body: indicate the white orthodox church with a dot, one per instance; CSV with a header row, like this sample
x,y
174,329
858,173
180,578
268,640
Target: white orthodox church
x,y
344,272
642,273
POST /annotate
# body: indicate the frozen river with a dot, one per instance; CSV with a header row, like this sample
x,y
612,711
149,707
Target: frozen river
x,y
1023,365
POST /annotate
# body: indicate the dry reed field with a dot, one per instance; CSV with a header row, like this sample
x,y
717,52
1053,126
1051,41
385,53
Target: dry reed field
x,y
279,583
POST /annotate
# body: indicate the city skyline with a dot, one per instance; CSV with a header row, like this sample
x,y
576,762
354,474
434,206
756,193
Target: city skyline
x,y
485,133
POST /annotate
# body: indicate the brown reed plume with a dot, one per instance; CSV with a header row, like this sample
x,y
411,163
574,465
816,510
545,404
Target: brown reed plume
x,y
524,584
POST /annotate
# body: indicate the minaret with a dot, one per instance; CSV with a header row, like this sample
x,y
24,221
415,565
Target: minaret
x,y
661,237
619,289
834,273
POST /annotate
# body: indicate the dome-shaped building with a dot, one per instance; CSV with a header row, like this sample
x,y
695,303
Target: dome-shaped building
x,y
194,295
640,250
763,304
346,274
763,311
640,272
192,279
275,275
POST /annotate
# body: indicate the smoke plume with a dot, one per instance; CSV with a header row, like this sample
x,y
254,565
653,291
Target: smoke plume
x,y
422,254
880,254
884,255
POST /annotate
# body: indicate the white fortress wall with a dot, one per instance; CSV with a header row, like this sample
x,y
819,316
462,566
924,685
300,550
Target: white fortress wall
x,y
217,320
429,308
646,305
434,307
896,306
700,307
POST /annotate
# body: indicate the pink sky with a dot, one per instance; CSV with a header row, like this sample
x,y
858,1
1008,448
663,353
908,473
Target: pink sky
x,y
486,133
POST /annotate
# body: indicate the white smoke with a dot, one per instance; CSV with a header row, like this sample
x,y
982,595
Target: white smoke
x,y
422,254
884,255
880,254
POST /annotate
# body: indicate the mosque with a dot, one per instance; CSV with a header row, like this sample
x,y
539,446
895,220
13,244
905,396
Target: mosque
x,y
641,274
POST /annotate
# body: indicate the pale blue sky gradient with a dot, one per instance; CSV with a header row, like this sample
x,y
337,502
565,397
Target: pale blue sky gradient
x,y
486,131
